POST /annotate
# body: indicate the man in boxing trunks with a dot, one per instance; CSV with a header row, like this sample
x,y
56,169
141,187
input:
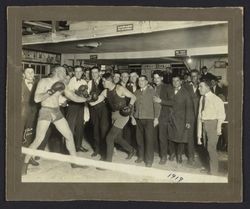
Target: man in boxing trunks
x,y
48,92
116,97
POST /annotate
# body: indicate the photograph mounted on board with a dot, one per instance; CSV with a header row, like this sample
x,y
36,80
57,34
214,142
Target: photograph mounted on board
x,y
119,101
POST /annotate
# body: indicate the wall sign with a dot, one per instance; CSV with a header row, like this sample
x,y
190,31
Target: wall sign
x,y
127,27
181,53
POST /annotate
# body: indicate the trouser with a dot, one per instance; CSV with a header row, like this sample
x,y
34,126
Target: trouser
x,y
145,139
100,120
191,140
75,120
163,139
209,132
115,136
176,148
129,134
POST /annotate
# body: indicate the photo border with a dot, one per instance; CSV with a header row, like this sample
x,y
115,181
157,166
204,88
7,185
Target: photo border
x,y
195,192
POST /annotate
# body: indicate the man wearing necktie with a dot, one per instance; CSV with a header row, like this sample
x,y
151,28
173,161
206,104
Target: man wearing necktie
x,y
194,94
29,109
210,118
75,111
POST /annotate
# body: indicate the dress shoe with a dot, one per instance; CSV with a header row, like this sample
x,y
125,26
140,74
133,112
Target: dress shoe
x,y
94,154
24,169
101,169
33,162
179,159
190,162
163,161
171,157
131,154
82,149
205,170
149,165
139,160
73,165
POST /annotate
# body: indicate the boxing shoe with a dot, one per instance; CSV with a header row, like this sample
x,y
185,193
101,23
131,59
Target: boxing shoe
x,y
73,165
131,154
24,169
33,162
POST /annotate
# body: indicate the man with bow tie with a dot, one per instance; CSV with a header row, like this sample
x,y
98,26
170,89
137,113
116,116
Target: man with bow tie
x,y
29,108
75,111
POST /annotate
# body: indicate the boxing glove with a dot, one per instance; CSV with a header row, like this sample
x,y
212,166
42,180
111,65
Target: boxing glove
x,y
126,111
94,97
57,86
82,91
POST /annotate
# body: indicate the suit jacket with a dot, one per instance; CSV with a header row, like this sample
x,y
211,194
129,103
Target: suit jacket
x,y
219,92
179,116
29,107
195,99
166,96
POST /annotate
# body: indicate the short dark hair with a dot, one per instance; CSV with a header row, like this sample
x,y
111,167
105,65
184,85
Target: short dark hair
x,y
144,76
78,66
107,76
204,67
207,82
95,67
176,75
158,72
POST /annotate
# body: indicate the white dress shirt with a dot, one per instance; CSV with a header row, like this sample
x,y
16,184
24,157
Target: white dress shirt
x,y
74,84
29,84
213,110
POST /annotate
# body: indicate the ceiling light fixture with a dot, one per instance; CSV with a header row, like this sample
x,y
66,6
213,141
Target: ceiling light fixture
x,y
90,45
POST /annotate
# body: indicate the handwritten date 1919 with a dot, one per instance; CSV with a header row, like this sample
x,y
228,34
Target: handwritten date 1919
x,y
175,177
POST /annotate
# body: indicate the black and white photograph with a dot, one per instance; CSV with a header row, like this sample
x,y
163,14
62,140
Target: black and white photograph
x,y
138,102
125,95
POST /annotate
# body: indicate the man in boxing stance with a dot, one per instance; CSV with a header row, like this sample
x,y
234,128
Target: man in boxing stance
x,y
48,92
116,97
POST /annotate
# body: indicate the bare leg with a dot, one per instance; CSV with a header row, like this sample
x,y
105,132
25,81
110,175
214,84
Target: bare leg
x,y
41,129
63,127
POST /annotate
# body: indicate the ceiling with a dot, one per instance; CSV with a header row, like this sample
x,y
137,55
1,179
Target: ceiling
x,y
205,36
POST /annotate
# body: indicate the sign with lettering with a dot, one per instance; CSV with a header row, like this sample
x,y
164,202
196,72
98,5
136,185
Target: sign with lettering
x,y
93,57
181,53
127,27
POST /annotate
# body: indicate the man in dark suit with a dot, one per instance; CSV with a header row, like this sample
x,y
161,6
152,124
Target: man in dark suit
x,y
29,109
194,94
216,89
99,115
206,75
163,90
179,119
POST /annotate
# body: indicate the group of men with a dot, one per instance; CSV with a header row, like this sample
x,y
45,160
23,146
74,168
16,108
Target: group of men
x,y
126,109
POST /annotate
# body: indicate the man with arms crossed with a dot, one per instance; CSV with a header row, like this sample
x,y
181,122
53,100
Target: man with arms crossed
x,y
48,92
